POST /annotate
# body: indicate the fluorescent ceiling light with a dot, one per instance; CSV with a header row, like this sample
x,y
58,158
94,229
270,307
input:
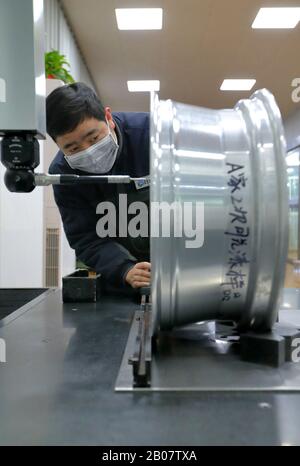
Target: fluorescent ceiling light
x,y
273,18
237,84
292,160
143,86
139,18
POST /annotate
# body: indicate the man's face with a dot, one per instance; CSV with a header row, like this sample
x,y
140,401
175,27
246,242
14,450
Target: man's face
x,y
85,135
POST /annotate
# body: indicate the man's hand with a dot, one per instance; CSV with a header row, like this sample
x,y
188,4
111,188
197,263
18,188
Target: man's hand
x,y
139,275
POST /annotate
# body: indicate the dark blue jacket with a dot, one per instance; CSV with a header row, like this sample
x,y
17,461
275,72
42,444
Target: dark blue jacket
x,y
77,204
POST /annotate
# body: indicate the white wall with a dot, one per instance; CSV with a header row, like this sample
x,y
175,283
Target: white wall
x,y
52,219
21,237
59,36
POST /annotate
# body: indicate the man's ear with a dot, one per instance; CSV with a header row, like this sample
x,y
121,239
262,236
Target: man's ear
x,y
109,117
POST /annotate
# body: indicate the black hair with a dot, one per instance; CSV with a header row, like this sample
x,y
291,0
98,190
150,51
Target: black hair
x,y
69,105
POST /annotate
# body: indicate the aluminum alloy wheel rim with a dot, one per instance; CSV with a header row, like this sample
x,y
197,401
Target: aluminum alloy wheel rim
x,y
193,151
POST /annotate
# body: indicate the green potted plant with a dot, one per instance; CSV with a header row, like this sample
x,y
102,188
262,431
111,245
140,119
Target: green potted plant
x,y
54,67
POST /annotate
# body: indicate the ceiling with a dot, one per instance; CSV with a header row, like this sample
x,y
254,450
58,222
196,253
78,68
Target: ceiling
x,y
201,43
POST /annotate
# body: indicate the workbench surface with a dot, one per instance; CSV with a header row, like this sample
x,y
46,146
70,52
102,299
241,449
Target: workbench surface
x,y
57,386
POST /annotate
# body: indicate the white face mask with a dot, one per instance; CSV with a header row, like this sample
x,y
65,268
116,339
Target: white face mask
x,y
98,158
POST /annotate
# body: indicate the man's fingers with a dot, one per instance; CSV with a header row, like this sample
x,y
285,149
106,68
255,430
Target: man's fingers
x,y
141,274
143,265
138,284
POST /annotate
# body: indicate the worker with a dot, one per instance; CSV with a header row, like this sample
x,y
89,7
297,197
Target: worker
x,y
93,140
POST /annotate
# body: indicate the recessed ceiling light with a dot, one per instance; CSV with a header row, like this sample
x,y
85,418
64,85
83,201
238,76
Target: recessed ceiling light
x,y
143,86
273,18
139,18
292,160
237,84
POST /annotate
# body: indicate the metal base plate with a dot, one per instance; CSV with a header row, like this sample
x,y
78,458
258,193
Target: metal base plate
x,y
195,358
